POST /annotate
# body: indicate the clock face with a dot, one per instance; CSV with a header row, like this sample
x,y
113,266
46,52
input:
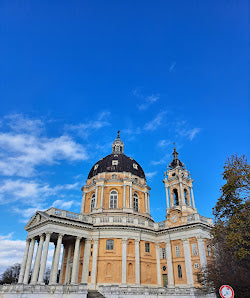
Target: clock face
x,y
174,218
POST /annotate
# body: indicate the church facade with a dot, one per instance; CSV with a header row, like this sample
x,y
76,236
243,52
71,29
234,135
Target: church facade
x,y
113,245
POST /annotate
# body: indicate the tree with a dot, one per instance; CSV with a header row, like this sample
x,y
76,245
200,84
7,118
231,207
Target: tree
x,y
231,232
11,274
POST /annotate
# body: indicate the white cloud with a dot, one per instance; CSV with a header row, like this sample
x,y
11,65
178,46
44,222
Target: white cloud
x,y
11,251
21,153
63,204
161,161
149,175
84,129
30,192
156,122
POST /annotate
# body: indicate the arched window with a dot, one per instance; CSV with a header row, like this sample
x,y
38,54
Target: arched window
x,y
109,244
176,198
92,204
179,271
136,202
114,176
113,199
185,196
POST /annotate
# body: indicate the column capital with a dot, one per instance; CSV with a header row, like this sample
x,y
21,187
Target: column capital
x,y
185,240
60,235
28,240
48,233
137,241
124,240
78,237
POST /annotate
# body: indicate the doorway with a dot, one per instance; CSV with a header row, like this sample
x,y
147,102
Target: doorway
x,y
165,280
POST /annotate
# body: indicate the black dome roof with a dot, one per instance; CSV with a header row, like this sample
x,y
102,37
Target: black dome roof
x,y
123,164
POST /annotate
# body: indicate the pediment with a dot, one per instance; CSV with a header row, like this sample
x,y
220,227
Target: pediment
x,y
37,218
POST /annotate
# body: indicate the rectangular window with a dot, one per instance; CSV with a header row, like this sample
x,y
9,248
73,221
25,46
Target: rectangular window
x,y
147,247
110,244
177,251
163,253
194,249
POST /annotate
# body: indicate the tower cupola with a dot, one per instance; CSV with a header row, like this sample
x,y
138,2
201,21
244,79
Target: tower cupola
x,y
179,187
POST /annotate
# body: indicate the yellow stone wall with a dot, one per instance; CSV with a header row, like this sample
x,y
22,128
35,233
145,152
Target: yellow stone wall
x,y
148,264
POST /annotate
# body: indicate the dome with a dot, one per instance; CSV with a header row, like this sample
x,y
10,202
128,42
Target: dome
x,y
117,162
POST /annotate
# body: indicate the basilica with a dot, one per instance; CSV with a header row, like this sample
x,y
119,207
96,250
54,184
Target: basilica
x,y
113,247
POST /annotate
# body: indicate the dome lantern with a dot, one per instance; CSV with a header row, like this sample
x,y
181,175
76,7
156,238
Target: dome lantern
x,y
118,145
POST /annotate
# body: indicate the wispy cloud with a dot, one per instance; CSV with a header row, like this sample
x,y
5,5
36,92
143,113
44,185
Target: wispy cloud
x,y
147,100
21,123
63,204
150,175
161,161
184,130
156,122
163,143
86,128
172,66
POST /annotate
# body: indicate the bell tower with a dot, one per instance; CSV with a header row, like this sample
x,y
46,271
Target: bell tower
x,y
179,188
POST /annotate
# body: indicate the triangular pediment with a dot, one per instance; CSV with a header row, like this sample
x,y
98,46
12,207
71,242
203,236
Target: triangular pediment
x,y
36,219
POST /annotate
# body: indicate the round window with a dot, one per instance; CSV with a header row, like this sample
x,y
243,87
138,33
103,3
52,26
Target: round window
x,y
196,265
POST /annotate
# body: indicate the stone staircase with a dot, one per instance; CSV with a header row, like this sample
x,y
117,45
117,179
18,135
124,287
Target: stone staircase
x,y
94,294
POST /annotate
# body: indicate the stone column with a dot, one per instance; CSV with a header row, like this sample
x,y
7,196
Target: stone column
x,y
169,264
53,279
94,261
75,261
148,203
67,264
130,197
61,270
188,263
202,252
124,261
37,260
167,198
137,262
145,202
192,197
102,190
181,193
25,256
96,195
124,196
158,265
85,266
29,261
83,202
44,258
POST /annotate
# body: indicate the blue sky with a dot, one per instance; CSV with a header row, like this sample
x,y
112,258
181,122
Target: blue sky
x,y
74,72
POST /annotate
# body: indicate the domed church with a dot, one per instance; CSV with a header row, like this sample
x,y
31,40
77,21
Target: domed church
x,y
113,246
